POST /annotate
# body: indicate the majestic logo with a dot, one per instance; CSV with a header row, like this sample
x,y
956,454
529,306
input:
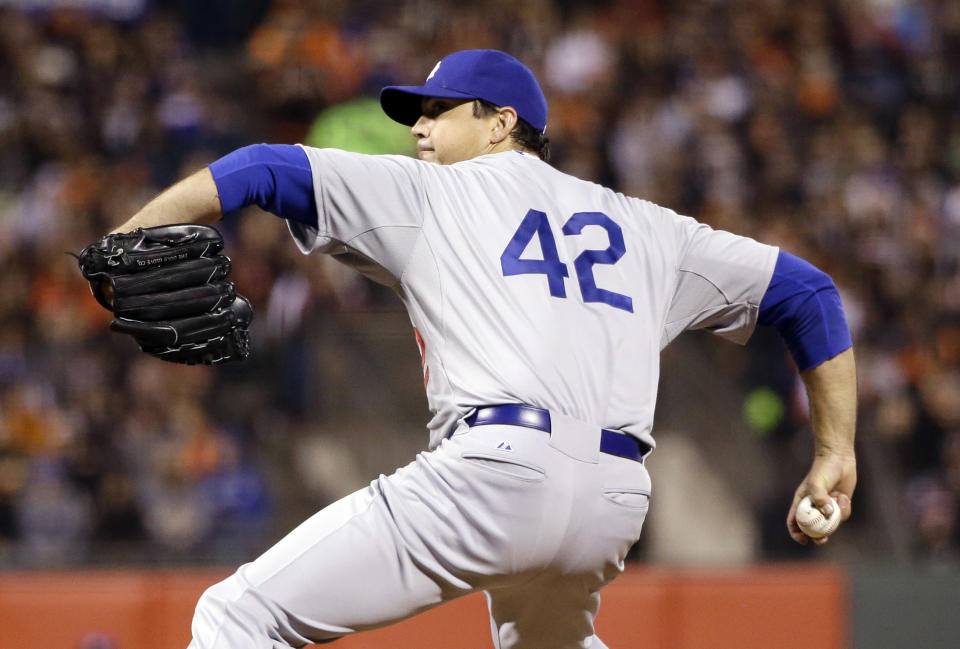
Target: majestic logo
x,y
434,70
504,446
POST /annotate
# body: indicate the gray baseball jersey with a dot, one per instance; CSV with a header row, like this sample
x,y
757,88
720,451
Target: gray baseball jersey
x,y
528,285
525,285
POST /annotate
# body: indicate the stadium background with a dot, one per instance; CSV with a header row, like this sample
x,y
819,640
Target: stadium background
x,y
828,128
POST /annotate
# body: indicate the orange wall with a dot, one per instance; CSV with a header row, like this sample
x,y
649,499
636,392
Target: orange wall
x,y
648,608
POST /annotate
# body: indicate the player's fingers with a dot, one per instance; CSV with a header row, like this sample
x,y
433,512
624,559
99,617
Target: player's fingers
x,y
822,500
794,529
846,506
821,541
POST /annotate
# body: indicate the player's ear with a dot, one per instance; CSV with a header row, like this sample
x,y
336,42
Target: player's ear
x,y
504,124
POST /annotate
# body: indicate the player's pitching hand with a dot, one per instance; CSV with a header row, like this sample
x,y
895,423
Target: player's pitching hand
x,y
832,475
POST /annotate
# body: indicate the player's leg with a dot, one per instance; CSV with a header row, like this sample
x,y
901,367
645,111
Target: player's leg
x,y
557,609
437,529
545,613
340,571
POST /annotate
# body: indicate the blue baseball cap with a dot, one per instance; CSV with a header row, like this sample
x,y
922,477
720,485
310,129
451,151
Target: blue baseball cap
x,y
490,75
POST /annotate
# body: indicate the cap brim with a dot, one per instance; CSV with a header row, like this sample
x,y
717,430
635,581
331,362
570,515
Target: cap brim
x,y
403,103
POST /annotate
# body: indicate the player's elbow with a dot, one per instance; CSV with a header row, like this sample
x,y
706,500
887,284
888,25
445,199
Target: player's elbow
x,y
275,177
803,304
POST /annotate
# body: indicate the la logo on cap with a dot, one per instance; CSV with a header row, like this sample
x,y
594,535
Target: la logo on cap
x,y
434,70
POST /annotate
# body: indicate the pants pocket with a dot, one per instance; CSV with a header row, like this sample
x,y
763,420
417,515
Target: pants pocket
x,y
504,465
638,499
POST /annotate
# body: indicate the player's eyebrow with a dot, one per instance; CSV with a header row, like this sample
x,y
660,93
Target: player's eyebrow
x,y
433,106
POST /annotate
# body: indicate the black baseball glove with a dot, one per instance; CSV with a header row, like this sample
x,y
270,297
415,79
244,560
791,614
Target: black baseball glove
x,y
166,287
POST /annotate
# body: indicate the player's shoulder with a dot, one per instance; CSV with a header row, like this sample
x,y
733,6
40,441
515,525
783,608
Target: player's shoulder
x,y
515,164
521,164
342,155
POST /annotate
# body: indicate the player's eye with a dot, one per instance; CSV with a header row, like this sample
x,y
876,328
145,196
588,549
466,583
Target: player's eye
x,y
434,109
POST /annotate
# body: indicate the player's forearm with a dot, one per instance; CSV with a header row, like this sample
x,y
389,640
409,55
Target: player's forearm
x,y
192,200
832,391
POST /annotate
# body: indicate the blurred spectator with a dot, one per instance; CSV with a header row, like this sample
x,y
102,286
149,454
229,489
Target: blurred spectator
x,y
97,640
54,521
933,509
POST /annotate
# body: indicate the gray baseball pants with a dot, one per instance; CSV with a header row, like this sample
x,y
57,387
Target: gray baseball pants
x,y
540,522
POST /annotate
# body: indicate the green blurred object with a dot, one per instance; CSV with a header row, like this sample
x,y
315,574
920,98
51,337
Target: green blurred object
x,y
763,409
361,126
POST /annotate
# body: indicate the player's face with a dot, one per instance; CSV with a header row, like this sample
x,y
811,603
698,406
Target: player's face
x,y
447,131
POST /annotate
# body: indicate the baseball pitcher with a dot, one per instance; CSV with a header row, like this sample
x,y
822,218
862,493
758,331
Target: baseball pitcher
x,y
540,302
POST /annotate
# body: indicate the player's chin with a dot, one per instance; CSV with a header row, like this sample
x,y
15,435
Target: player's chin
x,y
427,155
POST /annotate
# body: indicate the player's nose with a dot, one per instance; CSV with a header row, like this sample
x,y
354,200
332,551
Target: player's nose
x,y
420,128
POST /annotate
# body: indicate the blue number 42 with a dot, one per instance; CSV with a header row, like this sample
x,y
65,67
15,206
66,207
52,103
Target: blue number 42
x,y
535,223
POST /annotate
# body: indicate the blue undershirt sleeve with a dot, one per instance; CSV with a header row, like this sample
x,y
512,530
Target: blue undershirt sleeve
x,y
276,177
802,303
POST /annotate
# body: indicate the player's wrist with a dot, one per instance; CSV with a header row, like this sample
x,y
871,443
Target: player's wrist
x,y
841,451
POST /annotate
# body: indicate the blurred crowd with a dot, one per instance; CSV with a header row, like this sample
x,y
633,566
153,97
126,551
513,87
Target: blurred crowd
x,y
828,128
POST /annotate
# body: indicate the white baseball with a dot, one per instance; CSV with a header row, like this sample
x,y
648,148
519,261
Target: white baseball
x,y
813,523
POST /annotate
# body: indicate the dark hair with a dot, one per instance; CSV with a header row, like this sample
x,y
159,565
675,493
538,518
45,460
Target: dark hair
x,y
523,133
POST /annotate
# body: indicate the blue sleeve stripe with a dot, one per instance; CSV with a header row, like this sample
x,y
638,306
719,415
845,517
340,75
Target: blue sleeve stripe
x,y
803,305
276,177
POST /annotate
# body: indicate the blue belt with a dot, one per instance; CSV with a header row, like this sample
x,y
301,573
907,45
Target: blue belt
x,y
515,414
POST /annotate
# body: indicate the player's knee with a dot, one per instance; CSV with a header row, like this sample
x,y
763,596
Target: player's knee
x,y
209,615
222,617
234,614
